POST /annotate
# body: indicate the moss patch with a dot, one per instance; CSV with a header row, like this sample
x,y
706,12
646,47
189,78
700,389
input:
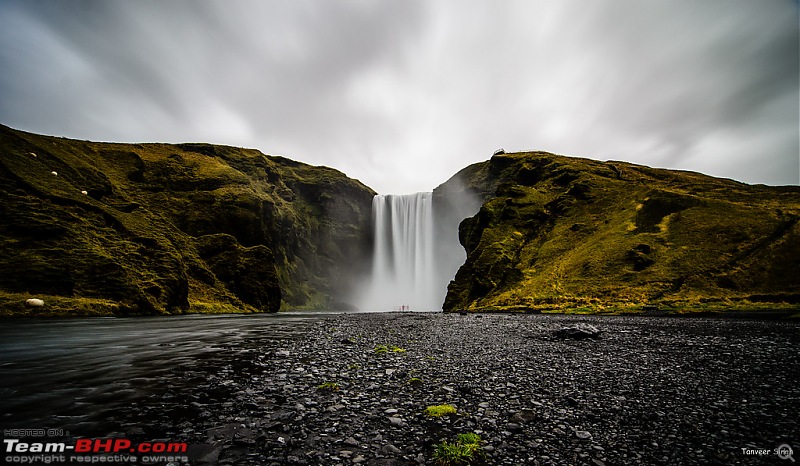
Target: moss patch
x,y
440,410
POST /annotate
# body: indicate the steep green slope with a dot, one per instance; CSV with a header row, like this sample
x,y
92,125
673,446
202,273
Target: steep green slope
x,y
559,232
97,228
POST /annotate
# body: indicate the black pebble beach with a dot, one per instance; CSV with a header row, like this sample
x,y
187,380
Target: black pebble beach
x,y
645,391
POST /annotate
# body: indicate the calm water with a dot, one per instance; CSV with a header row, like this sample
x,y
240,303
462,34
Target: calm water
x,y
73,374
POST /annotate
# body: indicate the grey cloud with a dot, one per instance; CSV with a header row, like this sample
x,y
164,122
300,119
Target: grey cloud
x,y
403,94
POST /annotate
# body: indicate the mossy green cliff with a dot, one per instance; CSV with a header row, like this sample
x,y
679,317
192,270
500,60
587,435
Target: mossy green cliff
x,y
100,228
133,229
558,233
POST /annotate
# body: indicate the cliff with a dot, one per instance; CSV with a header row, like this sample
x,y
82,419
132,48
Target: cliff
x,y
139,229
131,229
558,233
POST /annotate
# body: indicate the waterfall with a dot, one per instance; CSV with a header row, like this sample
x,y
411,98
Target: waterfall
x,y
403,269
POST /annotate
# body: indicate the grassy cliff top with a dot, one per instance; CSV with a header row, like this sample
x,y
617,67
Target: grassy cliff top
x,y
107,228
557,233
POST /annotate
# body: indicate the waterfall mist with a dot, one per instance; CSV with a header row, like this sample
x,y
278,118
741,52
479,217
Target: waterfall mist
x,y
403,257
416,250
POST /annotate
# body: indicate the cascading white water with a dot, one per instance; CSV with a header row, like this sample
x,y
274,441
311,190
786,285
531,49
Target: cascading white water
x,y
403,268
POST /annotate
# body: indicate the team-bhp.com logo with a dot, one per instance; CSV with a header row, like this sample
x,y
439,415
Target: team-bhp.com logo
x,y
115,450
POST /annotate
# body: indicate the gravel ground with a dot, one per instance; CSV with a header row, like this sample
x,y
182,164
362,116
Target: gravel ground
x,y
648,391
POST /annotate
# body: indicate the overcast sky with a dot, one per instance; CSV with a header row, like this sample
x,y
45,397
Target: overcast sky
x,y
402,94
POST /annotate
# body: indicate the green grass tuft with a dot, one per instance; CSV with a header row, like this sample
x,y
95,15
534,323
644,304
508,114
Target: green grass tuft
x,y
440,410
465,450
328,387
415,381
383,349
469,438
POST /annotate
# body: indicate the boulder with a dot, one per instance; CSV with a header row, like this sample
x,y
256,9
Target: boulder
x,y
579,331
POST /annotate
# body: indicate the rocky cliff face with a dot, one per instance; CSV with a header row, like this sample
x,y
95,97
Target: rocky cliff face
x,y
97,228
129,229
559,232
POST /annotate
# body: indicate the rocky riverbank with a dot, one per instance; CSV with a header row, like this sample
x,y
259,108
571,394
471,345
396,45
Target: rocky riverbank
x,y
354,390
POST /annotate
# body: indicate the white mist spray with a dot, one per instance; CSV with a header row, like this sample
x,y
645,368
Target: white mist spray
x,y
403,268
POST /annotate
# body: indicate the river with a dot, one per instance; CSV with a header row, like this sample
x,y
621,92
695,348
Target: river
x,y
78,374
